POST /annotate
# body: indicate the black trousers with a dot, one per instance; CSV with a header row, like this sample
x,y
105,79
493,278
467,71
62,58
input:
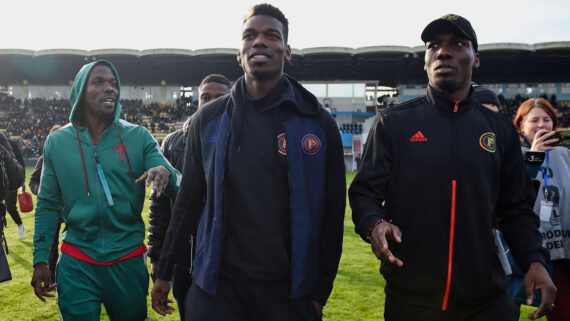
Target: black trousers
x,y
248,302
181,282
11,200
500,309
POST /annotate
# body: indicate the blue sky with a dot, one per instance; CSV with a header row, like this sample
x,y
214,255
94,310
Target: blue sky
x,y
80,24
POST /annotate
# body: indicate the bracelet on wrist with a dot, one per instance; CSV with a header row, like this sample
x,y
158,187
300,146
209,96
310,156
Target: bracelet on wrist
x,y
378,222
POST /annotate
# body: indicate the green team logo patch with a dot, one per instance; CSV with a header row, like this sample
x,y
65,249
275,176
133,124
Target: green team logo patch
x,y
488,142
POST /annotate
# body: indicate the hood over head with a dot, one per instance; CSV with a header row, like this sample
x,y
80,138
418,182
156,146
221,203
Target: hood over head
x,y
79,86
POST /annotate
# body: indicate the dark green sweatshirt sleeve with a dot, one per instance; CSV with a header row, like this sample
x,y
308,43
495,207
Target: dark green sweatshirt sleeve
x,y
48,209
153,157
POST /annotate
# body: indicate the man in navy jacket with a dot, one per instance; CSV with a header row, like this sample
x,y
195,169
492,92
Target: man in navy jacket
x,y
264,180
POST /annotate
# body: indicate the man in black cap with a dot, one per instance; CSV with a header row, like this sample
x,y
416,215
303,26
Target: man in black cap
x,y
436,173
486,97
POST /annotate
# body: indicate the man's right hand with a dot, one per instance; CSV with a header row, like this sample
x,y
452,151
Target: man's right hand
x,y
34,187
41,280
543,140
160,298
537,278
379,240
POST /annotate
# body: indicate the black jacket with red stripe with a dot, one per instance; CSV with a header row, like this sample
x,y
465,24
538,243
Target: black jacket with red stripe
x,y
442,171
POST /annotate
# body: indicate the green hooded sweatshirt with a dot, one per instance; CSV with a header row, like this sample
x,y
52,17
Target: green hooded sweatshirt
x,y
103,225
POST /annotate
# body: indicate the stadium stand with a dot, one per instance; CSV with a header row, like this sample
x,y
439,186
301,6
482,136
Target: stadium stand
x,y
352,83
28,122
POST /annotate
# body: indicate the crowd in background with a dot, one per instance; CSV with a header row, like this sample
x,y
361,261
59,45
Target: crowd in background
x,y
30,120
153,116
509,107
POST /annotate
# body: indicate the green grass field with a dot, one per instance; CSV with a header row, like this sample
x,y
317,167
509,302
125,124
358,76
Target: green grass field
x,y
358,293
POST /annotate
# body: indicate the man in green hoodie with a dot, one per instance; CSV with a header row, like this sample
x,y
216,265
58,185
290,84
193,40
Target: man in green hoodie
x,y
90,171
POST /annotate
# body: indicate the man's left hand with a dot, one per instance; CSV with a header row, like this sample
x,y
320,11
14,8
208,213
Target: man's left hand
x,y
159,176
160,300
537,278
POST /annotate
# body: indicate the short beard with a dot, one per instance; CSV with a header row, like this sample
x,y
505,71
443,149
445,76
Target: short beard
x,y
109,116
265,75
103,115
446,86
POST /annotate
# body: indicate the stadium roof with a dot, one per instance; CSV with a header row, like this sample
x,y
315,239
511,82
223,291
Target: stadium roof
x,y
389,65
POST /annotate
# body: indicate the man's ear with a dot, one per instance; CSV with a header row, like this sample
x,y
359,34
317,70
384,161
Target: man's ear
x,y
238,57
288,54
426,59
476,62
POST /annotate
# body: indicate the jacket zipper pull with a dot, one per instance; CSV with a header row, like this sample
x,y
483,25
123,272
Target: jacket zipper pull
x,y
104,182
456,106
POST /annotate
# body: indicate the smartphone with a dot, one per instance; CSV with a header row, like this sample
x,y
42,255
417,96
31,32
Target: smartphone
x,y
563,138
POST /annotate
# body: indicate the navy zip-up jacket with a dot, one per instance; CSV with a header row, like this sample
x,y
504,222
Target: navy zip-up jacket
x,y
441,170
317,190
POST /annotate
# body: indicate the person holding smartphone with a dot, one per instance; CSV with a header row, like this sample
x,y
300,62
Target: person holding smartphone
x,y
536,121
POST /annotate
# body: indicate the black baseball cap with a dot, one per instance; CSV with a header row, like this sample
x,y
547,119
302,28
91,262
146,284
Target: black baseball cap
x,y
460,24
484,95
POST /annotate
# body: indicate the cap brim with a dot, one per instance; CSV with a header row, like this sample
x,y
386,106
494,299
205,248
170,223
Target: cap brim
x,y
436,26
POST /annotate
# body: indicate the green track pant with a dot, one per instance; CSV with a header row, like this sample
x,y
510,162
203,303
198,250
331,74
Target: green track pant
x,y
121,287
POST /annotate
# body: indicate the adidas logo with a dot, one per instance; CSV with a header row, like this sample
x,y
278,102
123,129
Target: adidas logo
x,y
418,137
